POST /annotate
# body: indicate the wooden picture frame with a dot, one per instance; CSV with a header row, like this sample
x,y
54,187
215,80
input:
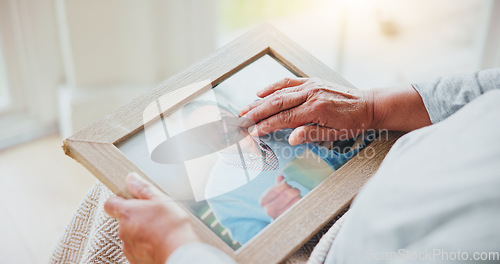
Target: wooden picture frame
x,y
95,147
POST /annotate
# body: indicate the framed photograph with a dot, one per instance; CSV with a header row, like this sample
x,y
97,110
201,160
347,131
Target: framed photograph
x,y
186,138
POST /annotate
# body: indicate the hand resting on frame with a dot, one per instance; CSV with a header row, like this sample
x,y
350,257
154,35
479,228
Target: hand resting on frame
x,y
322,111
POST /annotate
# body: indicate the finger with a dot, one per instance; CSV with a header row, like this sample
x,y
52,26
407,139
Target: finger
x,y
249,107
140,188
287,82
257,103
279,179
290,118
273,193
114,206
274,104
313,133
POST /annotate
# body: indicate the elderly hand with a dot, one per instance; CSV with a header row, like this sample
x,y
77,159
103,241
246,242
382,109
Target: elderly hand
x,y
338,112
279,198
151,226
321,111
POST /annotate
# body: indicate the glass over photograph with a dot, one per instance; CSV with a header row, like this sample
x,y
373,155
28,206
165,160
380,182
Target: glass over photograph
x,y
234,182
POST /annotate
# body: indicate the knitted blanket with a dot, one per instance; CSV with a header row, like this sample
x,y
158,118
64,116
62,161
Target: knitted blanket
x,y
92,236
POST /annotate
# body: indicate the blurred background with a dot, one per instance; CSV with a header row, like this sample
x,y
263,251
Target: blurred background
x,y
65,63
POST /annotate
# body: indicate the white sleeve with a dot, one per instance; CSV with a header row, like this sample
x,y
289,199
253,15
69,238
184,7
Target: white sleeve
x,y
446,95
199,253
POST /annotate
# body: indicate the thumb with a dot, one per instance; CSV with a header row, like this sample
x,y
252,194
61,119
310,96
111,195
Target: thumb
x,y
140,188
114,206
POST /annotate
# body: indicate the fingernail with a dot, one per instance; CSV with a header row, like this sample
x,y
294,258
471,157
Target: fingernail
x,y
242,122
245,122
244,110
134,179
298,139
254,132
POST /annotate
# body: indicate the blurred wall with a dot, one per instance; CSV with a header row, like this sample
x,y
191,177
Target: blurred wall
x,y
113,50
32,61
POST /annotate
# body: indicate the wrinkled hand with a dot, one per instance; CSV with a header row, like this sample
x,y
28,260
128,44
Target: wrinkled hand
x,y
279,198
151,226
335,112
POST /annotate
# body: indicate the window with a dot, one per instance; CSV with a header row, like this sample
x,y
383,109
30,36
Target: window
x,y
29,71
4,92
377,43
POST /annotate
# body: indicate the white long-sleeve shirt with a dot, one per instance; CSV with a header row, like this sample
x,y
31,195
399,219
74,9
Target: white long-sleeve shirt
x,y
436,196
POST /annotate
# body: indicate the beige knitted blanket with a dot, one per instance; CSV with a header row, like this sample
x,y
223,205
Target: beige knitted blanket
x,y
92,236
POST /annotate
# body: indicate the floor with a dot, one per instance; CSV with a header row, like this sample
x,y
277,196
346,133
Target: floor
x,y
39,190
